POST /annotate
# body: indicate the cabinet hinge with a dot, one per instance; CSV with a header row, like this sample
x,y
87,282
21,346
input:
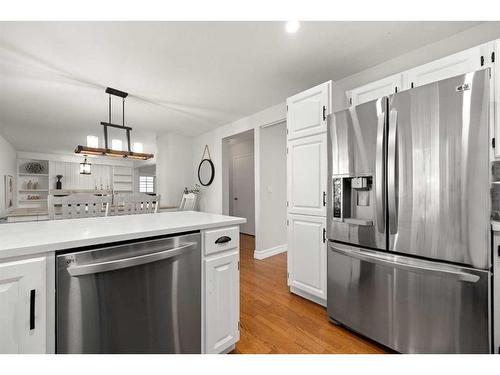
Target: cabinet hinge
x,y
238,325
493,142
493,57
412,85
482,60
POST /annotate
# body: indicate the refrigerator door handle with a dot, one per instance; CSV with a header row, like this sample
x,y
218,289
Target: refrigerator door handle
x,y
379,174
415,266
391,261
392,171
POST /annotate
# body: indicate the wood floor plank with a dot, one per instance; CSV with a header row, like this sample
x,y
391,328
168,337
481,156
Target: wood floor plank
x,y
273,320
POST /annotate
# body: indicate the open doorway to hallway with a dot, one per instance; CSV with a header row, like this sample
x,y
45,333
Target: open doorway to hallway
x,y
271,184
238,163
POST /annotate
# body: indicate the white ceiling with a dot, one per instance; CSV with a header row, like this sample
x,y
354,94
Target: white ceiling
x,y
186,77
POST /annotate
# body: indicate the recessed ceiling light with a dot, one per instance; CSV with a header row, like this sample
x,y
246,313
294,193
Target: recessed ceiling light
x,y
292,26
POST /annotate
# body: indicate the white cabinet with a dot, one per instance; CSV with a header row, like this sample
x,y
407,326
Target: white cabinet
x,y
374,90
459,63
222,307
495,101
307,256
306,175
307,111
23,306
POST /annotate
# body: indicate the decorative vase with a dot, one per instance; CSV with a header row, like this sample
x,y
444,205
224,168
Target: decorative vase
x,y
59,183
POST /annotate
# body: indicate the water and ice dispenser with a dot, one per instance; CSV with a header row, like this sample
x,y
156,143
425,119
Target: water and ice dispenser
x,y
353,200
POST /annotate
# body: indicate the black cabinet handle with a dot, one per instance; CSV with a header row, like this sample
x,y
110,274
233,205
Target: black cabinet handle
x,y
223,239
324,235
324,198
32,309
324,112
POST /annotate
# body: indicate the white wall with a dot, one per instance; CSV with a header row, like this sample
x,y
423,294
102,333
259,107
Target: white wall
x,y
69,166
72,179
272,216
211,196
174,167
8,166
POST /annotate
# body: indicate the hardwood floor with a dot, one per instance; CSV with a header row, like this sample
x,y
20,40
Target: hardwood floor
x,y
273,320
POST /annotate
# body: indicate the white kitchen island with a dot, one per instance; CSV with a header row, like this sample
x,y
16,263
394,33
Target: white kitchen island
x,y
27,267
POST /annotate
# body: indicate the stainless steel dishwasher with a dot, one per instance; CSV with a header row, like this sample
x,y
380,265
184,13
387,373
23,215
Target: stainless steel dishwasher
x,y
138,297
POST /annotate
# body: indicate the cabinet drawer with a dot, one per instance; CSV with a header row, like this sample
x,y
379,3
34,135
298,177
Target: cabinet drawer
x,y
217,240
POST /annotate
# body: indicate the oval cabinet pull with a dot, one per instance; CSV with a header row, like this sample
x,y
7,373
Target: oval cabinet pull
x,y
223,239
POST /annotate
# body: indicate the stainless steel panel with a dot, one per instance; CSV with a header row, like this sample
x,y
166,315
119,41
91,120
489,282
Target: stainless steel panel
x,y
439,194
143,297
356,147
409,305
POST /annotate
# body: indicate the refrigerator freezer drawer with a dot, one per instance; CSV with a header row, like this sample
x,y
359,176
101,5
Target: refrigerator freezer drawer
x,y
407,304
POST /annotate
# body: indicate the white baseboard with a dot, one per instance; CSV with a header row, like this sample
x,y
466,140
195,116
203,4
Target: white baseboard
x,y
266,253
309,296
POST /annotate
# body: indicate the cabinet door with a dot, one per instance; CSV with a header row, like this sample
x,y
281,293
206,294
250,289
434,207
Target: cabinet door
x,y
374,90
307,111
460,63
306,175
307,255
22,306
495,101
222,306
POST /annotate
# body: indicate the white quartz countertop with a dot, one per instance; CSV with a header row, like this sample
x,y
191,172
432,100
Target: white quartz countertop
x,y
19,239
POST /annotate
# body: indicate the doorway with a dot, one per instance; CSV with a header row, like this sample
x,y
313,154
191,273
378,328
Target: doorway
x,y
239,181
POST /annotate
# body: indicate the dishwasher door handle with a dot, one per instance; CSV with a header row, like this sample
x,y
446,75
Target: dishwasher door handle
x,y
116,264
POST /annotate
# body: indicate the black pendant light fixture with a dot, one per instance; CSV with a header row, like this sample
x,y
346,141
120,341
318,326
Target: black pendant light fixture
x,y
106,151
85,167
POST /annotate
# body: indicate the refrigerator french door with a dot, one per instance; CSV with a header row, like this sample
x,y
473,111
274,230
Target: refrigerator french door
x,y
408,219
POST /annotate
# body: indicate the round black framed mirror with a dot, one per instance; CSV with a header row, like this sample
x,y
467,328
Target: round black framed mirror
x,y
206,172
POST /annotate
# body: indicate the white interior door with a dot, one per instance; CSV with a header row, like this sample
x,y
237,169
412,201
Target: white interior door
x,y
243,191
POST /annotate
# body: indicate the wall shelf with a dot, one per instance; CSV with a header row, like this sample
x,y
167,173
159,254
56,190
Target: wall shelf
x,y
40,179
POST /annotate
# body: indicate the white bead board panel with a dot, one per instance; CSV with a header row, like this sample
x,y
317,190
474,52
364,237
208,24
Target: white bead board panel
x,y
72,179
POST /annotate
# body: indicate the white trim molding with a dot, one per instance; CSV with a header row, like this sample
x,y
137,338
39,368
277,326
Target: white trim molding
x,y
266,253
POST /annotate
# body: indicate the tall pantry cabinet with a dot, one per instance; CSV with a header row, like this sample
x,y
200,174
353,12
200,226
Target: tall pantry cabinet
x,y
306,191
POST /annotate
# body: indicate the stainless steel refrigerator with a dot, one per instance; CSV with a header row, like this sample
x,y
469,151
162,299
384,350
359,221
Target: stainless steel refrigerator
x,y
408,218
